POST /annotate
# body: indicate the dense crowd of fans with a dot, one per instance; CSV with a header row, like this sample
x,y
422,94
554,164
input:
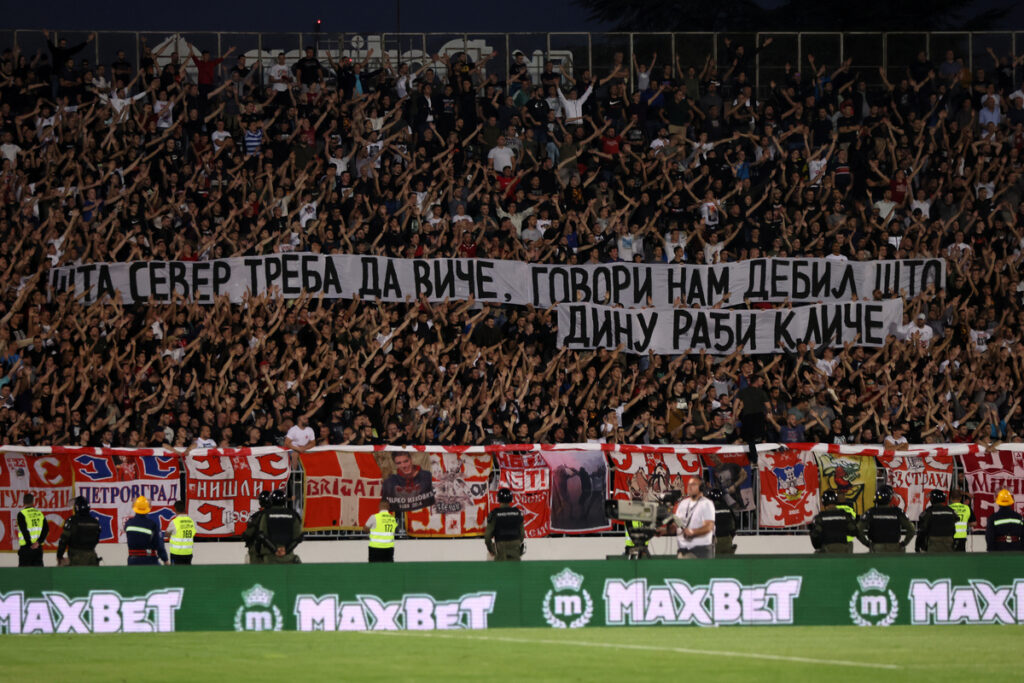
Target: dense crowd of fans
x,y
188,157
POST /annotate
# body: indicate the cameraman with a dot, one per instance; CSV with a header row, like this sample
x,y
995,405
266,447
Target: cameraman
x,y
695,523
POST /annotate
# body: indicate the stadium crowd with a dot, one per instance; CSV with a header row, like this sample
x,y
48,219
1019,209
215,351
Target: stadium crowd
x,y
193,156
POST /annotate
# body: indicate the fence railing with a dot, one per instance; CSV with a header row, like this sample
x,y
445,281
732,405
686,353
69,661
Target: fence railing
x,y
596,52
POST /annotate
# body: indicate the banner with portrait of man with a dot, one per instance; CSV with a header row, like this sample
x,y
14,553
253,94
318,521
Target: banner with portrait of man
x,y
406,481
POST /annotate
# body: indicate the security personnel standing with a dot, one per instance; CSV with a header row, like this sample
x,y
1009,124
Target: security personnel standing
x,y
252,530
965,517
32,531
725,524
280,531
1005,529
879,528
937,525
831,527
633,549
145,542
381,528
79,538
844,505
506,533
181,533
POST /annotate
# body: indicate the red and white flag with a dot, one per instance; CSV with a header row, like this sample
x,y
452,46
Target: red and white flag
x,y
789,488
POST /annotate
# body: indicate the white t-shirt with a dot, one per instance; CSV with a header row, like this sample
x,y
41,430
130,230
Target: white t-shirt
x,y
693,514
205,443
280,71
299,436
500,157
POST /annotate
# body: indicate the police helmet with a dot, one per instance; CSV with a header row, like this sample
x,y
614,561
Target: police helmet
x,y
278,497
265,497
81,505
937,497
715,493
505,495
829,497
883,496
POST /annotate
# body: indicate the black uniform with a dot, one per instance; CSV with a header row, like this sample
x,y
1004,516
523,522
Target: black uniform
x,y
725,529
252,529
80,535
935,529
1005,530
505,533
880,529
280,526
829,530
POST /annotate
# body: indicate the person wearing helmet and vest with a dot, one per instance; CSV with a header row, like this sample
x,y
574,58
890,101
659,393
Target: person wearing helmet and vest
x,y
181,534
725,523
381,528
1005,528
843,504
32,531
965,517
880,527
505,533
280,531
79,538
252,530
831,527
936,526
636,548
145,542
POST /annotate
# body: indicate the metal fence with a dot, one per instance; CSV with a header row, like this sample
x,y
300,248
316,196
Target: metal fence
x,y
597,52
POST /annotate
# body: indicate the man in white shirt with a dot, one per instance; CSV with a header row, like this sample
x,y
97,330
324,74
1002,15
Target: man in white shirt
x,y
572,108
204,440
501,156
695,523
300,438
280,75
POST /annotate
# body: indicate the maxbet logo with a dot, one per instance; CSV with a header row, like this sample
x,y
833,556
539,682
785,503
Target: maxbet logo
x,y
417,612
721,601
979,602
101,612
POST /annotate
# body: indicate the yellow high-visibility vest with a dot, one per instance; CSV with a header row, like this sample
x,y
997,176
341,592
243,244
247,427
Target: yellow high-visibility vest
x,y
34,519
629,541
963,513
382,535
853,515
183,535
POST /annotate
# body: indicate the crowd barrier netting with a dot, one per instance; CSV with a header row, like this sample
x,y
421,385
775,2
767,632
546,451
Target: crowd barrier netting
x,y
447,491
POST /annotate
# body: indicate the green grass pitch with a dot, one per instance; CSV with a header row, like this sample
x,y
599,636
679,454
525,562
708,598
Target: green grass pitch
x,y
791,654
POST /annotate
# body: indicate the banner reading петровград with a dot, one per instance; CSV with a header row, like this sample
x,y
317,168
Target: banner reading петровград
x,y
819,590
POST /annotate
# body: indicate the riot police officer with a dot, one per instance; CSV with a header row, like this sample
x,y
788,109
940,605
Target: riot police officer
x,y
1005,528
145,542
879,528
832,527
843,504
965,517
32,531
79,538
725,523
252,528
506,532
937,525
280,531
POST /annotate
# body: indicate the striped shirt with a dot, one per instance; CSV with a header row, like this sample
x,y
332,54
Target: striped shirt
x,y
253,141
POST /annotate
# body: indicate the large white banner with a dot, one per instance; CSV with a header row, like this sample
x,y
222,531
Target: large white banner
x,y
717,331
629,285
